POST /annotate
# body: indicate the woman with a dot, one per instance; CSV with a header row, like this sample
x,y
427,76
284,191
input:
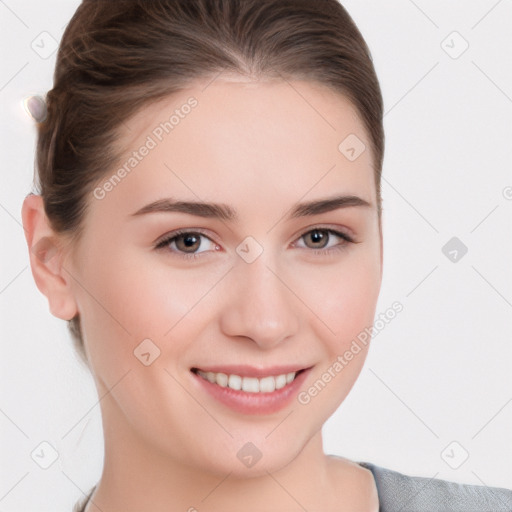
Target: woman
x,y
208,220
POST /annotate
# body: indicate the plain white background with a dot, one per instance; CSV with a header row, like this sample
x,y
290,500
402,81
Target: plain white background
x,y
437,387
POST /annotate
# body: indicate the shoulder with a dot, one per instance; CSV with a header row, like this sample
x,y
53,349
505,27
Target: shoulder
x,y
356,484
421,494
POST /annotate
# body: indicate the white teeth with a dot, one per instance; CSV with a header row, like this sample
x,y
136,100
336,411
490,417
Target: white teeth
x,y
249,384
267,384
235,382
220,378
280,381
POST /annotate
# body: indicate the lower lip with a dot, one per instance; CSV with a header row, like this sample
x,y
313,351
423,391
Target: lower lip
x,y
253,403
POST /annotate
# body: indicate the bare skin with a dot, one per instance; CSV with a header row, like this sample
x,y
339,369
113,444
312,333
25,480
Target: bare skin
x,y
261,148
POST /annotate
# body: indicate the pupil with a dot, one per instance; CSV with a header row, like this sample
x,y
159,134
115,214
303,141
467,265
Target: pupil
x,y
187,241
190,240
317,236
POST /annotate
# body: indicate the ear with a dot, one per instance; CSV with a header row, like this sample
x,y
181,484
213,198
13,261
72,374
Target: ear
x,y
47,253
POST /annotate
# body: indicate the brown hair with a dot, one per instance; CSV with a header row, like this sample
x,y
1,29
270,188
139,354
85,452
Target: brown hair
x,y
117,56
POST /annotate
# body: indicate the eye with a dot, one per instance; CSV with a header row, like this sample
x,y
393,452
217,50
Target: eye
x,y
323,240
188,242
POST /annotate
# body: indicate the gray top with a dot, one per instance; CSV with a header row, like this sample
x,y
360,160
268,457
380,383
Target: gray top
x,y
402,493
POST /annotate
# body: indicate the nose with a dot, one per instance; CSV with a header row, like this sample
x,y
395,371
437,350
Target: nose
x,y
260,304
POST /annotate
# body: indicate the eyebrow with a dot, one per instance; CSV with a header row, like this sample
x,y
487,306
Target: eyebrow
x,y
225,212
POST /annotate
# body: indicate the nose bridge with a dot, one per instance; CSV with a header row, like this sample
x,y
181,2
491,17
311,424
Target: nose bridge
x,y
261,307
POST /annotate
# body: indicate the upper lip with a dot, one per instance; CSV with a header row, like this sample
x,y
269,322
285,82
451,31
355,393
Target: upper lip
x,y
250,371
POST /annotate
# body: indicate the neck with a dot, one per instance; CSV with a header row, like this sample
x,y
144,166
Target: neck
x,y
139,476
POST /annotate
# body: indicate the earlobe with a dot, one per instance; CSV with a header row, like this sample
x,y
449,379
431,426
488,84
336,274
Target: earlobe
x,y
46,253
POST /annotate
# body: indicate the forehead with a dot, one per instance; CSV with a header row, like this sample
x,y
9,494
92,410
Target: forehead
x,y
259,138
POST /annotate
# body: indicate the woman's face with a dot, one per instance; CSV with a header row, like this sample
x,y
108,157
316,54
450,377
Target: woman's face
x,y
256,286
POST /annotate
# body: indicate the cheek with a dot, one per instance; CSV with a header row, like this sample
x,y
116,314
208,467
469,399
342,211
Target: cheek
x,y
130,298
343,297
344,303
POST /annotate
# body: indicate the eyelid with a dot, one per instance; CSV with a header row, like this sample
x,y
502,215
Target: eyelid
x,y
168,238
342,230
346,239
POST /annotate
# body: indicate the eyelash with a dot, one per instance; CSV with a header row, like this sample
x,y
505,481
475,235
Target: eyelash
x,y
319,252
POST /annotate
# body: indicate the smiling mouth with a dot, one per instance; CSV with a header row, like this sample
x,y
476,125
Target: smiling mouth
x,y
248,384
